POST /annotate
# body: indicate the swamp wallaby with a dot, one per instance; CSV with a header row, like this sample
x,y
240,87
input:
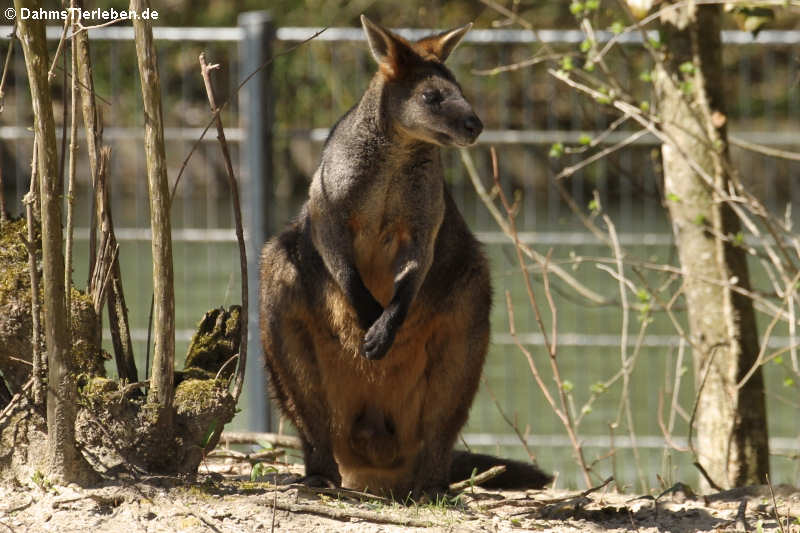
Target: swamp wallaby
x,y
375,301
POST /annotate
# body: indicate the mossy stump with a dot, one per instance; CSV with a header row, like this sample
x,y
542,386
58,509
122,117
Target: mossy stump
x,y
116,428
16,324
119,427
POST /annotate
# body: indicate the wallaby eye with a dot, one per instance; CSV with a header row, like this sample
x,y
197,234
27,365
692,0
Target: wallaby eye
x,y
432,97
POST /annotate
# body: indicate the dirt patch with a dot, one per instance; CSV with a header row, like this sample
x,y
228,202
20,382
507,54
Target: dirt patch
x,y
233,503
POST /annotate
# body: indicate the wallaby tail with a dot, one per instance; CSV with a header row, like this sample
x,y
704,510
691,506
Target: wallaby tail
x,y
518,474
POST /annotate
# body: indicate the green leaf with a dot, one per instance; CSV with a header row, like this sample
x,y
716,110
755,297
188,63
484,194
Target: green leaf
x,y
646,76
654,43
588,66
567,386
617,27
260,470
778,360
645,106
594,206
566,63
208,434
586,45
643,295
576,8
598,387
687,67
700,220
687,87
603,100
672,197
592,5
557,150
788,382
585,139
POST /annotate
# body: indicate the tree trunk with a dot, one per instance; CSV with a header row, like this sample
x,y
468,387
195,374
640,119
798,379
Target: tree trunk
x,y
731,424
65,462
161,381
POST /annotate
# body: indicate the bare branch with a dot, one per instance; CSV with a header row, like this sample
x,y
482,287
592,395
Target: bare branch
x,y
237,211
224,104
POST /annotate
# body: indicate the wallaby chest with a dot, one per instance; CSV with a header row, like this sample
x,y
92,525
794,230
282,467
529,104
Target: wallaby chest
x,y
401,204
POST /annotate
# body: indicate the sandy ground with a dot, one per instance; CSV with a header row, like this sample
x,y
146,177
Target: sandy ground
x,y
232,503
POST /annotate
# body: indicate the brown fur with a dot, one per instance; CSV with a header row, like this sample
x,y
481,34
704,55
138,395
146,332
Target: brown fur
x,y
342,402
380,251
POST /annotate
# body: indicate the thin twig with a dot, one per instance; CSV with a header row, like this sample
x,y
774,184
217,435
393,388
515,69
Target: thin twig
x,y
11,38
775,505
39,363
512,424
230,360
149,337
274,507
478,479
15,400
73,150
531,61
487,200
764,150
570,170
563,411
765,340
342,493
348,514
224,104
626,362
106,101
284,441
252,458
50,73
206,69
3,216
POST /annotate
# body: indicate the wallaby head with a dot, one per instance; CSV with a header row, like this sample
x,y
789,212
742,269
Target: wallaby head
x,y
421,97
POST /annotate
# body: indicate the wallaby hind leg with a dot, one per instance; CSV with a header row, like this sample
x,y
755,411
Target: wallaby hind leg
x,y
289,353
456,349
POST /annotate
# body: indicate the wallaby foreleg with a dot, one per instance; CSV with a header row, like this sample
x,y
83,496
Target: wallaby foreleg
x,y
333,241
412,265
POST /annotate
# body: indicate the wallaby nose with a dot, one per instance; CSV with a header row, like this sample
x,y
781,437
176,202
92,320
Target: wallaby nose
x,y
473,125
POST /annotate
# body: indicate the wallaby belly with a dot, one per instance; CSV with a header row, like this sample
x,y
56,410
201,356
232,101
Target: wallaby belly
x,y
375,406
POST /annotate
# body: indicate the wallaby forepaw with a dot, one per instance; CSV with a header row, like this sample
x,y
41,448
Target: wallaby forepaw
x,y
379,338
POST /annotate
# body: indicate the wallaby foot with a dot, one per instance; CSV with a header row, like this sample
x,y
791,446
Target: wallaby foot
x,y
317,482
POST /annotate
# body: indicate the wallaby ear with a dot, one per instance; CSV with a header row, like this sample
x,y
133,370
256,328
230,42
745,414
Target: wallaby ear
x,y
443,44
392,53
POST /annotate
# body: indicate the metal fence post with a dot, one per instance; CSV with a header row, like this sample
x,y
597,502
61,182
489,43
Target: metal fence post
x,y
256,118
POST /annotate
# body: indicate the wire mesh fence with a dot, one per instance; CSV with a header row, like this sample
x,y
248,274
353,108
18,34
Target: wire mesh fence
x,y
525,112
